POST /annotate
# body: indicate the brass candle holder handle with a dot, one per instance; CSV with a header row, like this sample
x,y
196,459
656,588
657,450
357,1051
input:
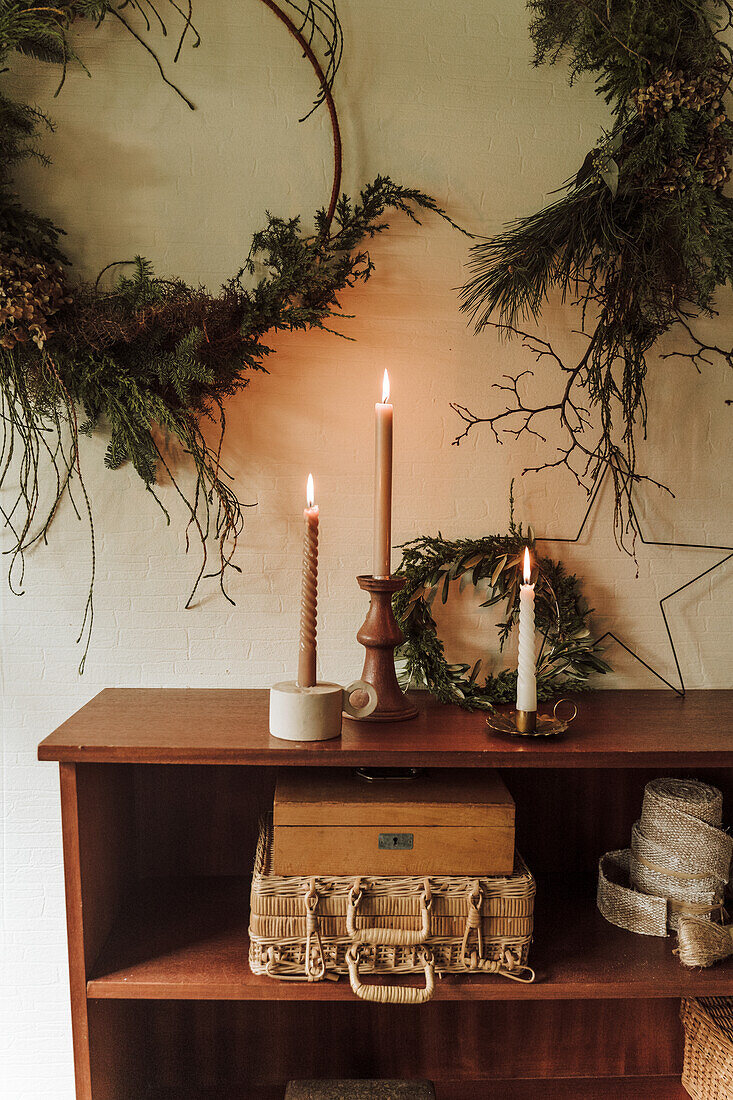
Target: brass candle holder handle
x,y
380,635
546,725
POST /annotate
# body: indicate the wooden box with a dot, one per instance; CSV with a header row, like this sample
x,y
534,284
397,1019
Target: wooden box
x,y
447,822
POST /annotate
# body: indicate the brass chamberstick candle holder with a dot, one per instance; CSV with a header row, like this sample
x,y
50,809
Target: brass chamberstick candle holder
x,y
523,723
380,635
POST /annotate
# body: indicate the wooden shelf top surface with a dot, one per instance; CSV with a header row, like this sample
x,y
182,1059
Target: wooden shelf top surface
x,y
229,726
187,939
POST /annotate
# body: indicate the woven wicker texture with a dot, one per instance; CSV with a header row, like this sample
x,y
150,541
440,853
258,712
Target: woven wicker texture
x,y
311,928
708,1066
679,856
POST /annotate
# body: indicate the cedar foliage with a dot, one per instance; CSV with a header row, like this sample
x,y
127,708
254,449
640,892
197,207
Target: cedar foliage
x,y
151,357
640,238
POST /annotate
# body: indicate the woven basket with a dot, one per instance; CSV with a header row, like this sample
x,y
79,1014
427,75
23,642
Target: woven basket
x,y
708,1066
314,928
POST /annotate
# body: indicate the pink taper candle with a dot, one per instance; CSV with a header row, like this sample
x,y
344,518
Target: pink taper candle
x,y
309,593
383,484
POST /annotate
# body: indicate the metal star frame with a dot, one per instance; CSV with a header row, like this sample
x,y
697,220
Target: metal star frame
x,y
681,691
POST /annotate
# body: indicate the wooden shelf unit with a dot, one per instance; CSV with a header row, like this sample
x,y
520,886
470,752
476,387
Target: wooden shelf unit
x,y
161,796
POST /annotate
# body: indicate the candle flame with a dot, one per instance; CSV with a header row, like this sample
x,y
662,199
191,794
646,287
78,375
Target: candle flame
x,y
385,388
527,565
310,493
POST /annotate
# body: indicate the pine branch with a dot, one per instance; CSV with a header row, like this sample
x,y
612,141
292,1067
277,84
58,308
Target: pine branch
x,y
639,239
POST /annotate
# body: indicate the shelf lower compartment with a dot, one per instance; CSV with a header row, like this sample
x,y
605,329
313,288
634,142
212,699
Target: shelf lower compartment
x,y
186,939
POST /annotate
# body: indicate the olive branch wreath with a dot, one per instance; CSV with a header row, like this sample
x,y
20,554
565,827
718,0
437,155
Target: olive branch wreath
x,y
569,654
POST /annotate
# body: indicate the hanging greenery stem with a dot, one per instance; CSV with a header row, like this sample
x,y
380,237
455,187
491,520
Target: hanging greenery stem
x,y
640,239
152,357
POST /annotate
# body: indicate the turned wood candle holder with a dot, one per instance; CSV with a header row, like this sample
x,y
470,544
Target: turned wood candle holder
x,y
380,635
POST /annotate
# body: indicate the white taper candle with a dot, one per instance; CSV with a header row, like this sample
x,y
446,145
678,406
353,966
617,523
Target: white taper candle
x,y
527,670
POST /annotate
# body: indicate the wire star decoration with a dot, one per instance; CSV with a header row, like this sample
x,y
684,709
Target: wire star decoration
x,y
638,533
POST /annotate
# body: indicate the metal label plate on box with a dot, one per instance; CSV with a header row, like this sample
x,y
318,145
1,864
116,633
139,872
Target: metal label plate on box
x,y
396,841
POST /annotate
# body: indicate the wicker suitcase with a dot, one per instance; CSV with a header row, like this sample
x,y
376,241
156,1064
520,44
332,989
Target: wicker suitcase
x,y
315,928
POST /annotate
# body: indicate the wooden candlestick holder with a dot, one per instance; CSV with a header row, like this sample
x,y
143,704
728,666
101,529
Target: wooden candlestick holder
x,y
380,635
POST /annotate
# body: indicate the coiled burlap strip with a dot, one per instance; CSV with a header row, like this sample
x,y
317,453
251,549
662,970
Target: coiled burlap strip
x,y
684,816
676,868
624,907
679,851
665,797
706,867
692,894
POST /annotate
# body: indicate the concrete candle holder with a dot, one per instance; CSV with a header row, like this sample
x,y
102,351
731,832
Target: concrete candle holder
x,y
314,713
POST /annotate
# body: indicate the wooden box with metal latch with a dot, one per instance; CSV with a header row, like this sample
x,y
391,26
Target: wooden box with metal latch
x,y
447,821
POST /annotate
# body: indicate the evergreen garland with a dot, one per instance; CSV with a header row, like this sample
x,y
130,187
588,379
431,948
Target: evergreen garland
x,y
640,239
568,657
151,355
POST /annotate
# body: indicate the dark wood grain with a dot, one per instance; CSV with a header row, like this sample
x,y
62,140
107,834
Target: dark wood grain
x,y
567,818
75,932
613,729
224,1046
596,1088
589,1088
96,811
193,819
187,939
198,819
118,1050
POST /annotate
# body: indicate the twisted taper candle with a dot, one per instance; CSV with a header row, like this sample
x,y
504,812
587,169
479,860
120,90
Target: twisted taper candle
x,y
309,595
526,671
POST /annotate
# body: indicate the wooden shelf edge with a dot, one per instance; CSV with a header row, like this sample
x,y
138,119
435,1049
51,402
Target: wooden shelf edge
x,y
352,758
614,729
453,988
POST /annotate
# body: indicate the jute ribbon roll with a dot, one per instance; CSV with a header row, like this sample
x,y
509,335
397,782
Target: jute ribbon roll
x,y
702,943
675,870
692,893
684,817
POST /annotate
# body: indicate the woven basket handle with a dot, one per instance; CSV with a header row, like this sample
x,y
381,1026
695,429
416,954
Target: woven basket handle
x,y
391,994
389,937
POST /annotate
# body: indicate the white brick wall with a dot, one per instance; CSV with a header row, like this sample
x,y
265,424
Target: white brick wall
x,y
440,96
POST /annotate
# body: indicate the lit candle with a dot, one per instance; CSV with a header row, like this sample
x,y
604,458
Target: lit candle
x,y
309,593
526,673
383,484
